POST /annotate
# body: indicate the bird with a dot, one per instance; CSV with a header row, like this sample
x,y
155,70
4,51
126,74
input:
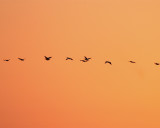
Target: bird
x,y
68,58
21,59
83,60
108,62
86,58
156,63
7,60
47,58
132,62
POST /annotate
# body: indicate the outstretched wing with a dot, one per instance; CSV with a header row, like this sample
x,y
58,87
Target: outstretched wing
x,y
156,63
108,62
85,58
45,57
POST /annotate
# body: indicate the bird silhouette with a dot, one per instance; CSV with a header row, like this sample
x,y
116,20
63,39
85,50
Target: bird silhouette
x,y
83,60
68,58
21,59
47,58
132,62
156,63
7,60
108,62
86,58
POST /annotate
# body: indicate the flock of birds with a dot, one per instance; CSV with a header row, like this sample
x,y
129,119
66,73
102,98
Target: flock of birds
x,y
86,59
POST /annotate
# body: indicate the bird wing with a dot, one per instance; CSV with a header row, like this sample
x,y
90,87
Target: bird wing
x,y
132,61
20,59
106,62
85,58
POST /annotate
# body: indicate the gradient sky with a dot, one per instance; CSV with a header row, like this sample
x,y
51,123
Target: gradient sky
x,y
65,94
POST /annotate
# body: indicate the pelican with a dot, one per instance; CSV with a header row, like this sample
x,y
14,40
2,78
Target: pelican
x,y
156,63
132,62
21,59
108,62
83,60
7,60
86,58
47,58
68,58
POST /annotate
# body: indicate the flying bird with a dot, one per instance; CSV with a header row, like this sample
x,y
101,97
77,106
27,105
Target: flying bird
x,y
7,60
132,62
47,58
83,60
68,58
156,63
108,62
21,59
86,58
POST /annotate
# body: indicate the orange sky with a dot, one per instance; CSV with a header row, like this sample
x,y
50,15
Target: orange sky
x,y
65,94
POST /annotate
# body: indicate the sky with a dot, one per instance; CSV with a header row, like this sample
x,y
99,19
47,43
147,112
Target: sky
x,y
71,94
